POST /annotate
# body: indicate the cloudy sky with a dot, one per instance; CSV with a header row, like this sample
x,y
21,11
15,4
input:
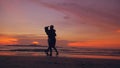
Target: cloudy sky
x,y
85,23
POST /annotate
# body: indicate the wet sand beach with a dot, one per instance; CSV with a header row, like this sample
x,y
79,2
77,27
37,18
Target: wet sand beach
x,y
56,62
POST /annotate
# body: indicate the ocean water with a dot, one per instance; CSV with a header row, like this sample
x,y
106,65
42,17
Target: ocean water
x,y
76,52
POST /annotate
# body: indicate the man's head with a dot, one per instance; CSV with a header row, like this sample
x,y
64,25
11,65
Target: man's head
x,y
51,26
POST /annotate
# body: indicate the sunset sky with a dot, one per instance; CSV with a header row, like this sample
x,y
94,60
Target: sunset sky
x,y
82,23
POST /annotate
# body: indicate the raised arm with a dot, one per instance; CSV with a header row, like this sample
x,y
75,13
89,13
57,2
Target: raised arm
x,y
46,30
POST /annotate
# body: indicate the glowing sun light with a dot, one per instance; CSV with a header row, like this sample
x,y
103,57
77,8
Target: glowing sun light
x,y
35,42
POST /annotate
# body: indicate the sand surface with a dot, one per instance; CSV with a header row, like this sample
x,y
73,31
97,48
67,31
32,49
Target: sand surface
x,y
56,62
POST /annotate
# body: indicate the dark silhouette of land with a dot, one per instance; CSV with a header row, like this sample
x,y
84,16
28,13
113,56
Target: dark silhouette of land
x,y
50,31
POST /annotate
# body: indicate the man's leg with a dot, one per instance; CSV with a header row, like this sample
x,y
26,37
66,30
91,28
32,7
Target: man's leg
x,y
50,50
56,50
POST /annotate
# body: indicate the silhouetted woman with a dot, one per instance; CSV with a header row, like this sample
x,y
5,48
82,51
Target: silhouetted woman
x,y
51,39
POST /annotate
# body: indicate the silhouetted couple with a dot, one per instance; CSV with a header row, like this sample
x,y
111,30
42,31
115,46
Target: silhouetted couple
x,y
50,31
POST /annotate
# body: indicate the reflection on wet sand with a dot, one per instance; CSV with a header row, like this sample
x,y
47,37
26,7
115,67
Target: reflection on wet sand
x,y
61,55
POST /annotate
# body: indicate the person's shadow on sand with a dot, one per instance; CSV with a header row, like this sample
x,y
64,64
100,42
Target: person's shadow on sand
x,y
51,33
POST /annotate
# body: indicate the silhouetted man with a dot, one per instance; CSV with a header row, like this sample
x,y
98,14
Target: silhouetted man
x,y
51,39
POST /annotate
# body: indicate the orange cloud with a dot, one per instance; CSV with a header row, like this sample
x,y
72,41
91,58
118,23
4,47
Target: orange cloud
x,y
4,40
98,44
